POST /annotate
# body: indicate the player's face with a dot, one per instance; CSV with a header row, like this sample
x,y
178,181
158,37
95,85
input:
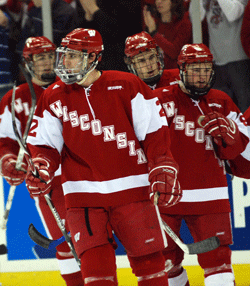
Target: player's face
x,y
198,74
43,63
73,60
163,6
146,64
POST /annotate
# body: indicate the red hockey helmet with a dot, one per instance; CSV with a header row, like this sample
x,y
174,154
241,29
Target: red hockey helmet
x,y
34,46
138,44
195,54
85,41
37,45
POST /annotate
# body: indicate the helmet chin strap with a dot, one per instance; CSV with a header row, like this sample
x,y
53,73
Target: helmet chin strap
x,y
42,82
89,70
48,77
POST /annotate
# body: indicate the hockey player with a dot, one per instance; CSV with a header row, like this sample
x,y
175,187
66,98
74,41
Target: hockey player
x,y
145,59
206,128
39,58
105,128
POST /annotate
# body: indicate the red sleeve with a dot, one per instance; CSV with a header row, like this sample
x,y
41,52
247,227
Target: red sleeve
x,y
183,35
8,146
240,167
245,31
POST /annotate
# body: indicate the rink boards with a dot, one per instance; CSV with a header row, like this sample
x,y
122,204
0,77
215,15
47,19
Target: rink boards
x,y
21,258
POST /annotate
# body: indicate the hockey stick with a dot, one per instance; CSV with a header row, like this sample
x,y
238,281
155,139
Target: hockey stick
x,y
203,246
43,241
50,244
20,154
3,248
62,228
36,174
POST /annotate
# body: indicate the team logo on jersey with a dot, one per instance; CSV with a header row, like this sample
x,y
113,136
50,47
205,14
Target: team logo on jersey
x,y
169,108
77,236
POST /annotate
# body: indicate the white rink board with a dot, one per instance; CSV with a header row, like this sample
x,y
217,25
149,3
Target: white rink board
x,y
238,257
19,244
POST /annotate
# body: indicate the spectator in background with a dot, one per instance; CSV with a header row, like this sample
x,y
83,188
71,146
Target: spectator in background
x,y
64,20
168,23
224,20
108,19
5,57
145,59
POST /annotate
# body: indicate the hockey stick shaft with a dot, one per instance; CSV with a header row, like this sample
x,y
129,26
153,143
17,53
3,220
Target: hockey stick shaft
x,y
35,172
62,228
203,246
20,140
21,151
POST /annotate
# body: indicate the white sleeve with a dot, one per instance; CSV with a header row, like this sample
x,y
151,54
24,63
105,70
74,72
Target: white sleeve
x,y
233,9
146,116
6,128
48,132
246,153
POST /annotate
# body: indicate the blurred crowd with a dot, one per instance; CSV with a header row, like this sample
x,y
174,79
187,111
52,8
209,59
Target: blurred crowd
x,y
225,29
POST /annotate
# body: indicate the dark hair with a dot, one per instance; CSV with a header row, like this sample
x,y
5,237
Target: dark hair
x,y
177,10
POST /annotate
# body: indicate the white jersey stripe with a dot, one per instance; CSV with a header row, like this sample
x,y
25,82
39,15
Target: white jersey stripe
x,y
205,195
106,187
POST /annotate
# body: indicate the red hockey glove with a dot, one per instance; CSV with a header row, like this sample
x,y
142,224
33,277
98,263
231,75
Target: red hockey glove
x,y
35,186
221,128
164,186
9,172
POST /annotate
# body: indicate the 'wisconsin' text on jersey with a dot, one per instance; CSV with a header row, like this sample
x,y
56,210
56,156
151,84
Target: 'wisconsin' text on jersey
x,y
97,129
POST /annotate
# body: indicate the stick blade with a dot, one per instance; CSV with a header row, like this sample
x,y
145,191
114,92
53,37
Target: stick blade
x,y
3,249
203,246
38,238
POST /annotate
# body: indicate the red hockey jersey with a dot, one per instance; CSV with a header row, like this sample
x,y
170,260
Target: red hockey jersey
x,y
8,143
105,134
168,77
202,174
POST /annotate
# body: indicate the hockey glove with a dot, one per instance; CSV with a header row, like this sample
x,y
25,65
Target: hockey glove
x,y
9,172
164,186
224,130
39,186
